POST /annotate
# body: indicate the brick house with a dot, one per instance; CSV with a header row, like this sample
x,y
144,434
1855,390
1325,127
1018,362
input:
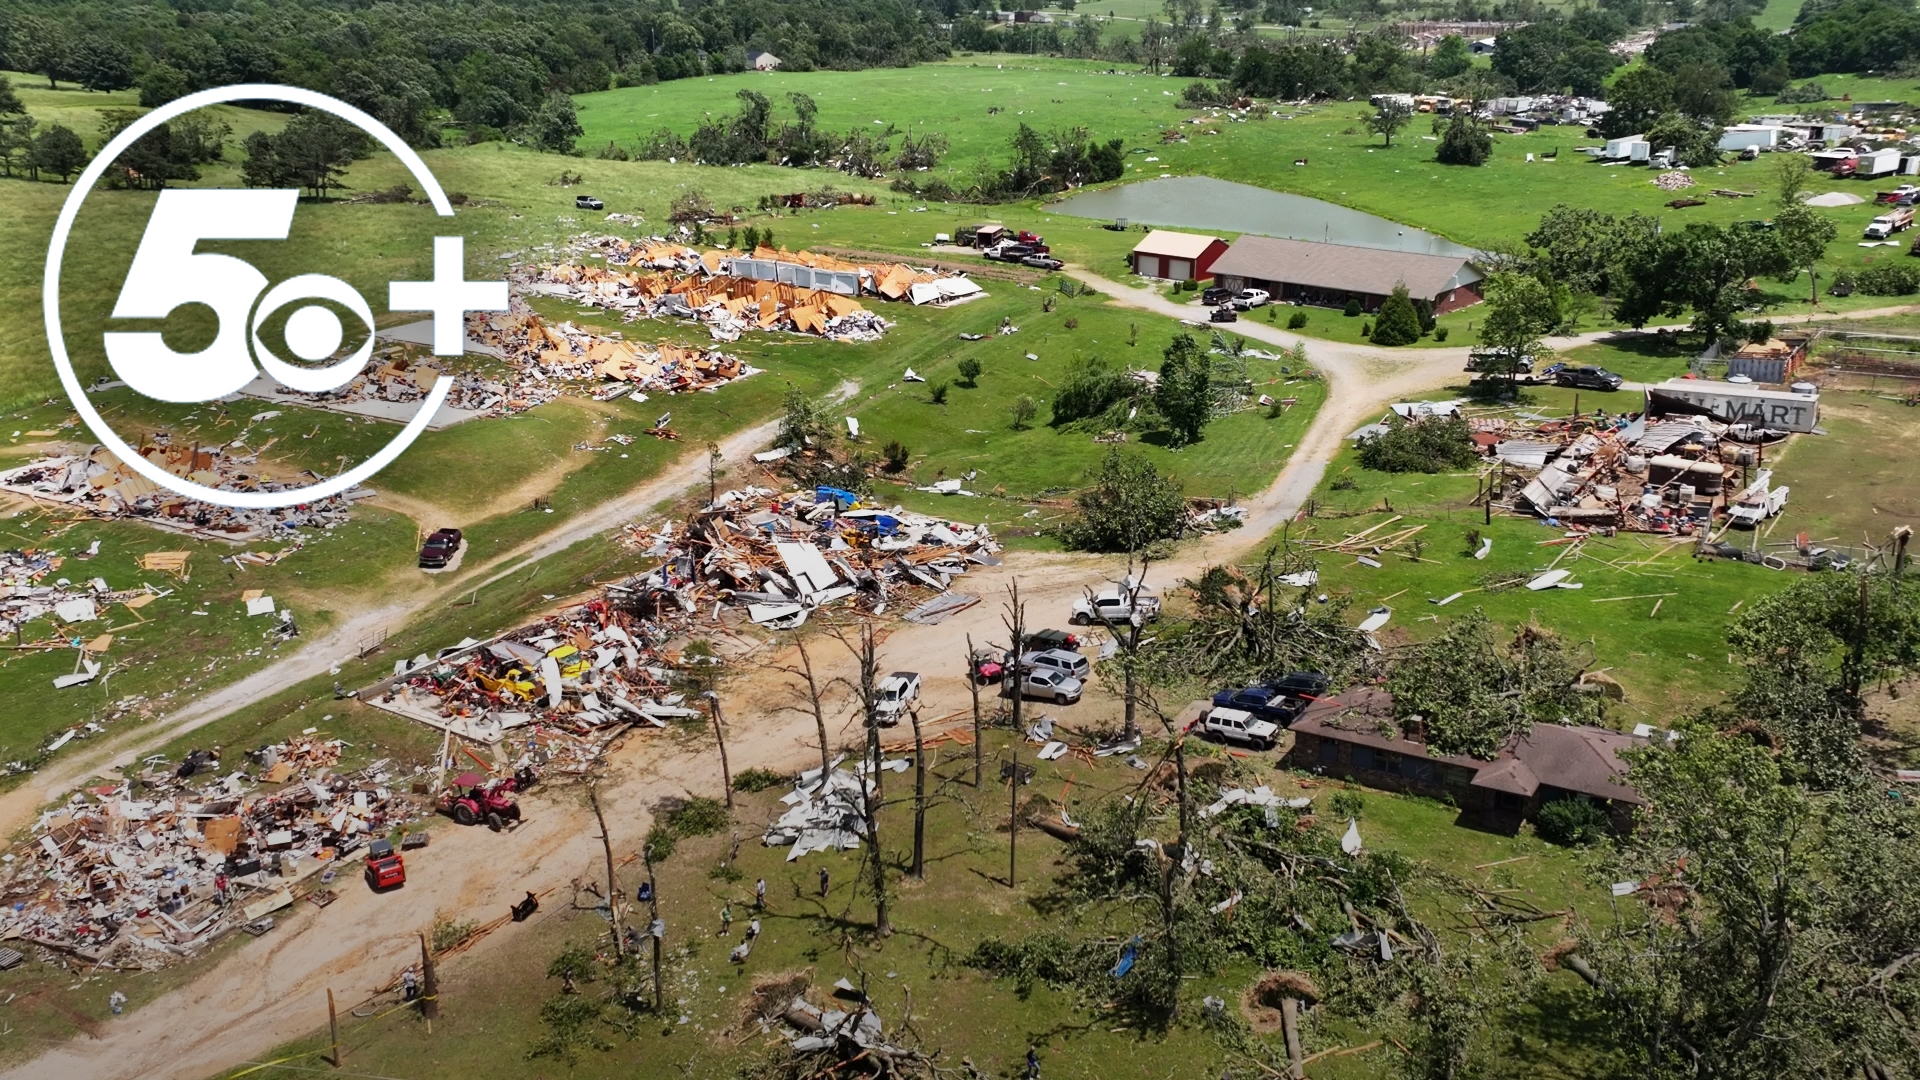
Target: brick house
x,y
1354,735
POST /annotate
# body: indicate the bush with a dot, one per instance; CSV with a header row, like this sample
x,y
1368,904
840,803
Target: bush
x,y
896,455
1804,94
1439,333
937,393
697,816
1399,320
1464,142
610,152
758,779
1366,329
1090,390
970,371
1024,409
1432,445
1296,320
1347,804
1888,279
1570,822
1072,323
1353,309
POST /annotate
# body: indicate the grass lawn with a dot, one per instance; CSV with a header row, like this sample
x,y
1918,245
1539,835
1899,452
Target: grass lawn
x,y
490,1004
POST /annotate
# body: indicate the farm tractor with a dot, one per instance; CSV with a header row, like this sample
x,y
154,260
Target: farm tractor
x,y
474,798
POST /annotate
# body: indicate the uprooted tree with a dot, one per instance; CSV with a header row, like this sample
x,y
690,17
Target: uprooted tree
x,y
1466,692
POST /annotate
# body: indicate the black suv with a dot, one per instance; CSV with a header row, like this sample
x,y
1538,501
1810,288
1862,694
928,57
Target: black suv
x,y
1214,294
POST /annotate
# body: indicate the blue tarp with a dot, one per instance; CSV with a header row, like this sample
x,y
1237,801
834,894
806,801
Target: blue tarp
x,y
1127,958
842,499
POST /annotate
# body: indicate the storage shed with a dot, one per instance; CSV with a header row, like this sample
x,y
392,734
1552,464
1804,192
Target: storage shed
x,y
1177,256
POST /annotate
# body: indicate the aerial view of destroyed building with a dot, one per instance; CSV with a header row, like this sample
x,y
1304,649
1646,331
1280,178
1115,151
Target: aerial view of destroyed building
x,y
753,540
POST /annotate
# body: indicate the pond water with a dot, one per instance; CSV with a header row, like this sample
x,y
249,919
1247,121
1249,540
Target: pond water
x,y
1202,202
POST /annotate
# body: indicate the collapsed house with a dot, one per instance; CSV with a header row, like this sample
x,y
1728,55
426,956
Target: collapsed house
x,y
103,486
26,597
783,554
127,873
551,359
731,294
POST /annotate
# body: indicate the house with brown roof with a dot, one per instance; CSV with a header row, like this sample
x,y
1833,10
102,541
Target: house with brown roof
x,y
1354,735
1329,275
1177,256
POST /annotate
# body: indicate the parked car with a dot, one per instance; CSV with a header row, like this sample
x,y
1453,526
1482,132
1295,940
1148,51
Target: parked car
x,y
1588,377
1067,663
1281,702
1223,313
1114,604
1010,252
1045,684
439,549
1051,639
1215,294
1042,262
1238,726
588,202
895,695
1248,299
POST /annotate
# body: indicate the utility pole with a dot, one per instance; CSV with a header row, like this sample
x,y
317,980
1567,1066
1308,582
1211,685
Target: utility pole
x,y
333,1027
613,886
973,685
726,775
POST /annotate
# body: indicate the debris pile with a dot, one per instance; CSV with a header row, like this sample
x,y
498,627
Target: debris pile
x,y
785,554
103,486
1673,180
136,872
823,813
551,359
569,684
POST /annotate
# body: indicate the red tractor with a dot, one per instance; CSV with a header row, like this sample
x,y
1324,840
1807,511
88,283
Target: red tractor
x,y
385,868
473,798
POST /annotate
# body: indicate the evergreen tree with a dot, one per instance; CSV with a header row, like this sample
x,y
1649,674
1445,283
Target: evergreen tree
x,y
1184,394
1398,323
59,150
1464,143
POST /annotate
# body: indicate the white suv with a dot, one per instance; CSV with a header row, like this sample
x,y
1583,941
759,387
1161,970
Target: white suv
x,y
1236,725
1060,660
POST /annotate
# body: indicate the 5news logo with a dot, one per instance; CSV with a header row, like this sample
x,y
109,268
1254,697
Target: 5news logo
x,y
167,272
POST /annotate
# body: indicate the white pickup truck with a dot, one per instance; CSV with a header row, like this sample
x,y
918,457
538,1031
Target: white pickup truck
x,y
895,695
1115,604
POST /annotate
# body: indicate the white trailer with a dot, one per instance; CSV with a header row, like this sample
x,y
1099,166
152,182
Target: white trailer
x,y
1740,137
1877,163
1621,149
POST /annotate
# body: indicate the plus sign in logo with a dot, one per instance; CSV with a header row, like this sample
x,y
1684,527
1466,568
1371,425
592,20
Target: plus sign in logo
x,y
167,271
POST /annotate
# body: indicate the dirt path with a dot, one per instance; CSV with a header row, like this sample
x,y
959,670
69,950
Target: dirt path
x,y
52,783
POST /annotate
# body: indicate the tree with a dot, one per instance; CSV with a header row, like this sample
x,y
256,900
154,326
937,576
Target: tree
x,y
1023,410
9,99
1184,393
866,686
1450,58
1130,505
804,423
59,150
1636,99
1703,267
97,62
1391,116
1520,313
1397,322
162,83
315,150
1803,235
1467,694
16,143
40,46
555,127
1464,142
1695,144
816,706
969,371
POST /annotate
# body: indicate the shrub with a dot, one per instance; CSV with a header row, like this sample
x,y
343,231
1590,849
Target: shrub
x,y
1433,445
758,779
1888,279
1804,94
937,393
1399,320
896,455
697,816
970,371
1024,409
1366,329
1439,333
1296,320
1353,309
610,152
1570,822
1190,286
1073,322
1347,804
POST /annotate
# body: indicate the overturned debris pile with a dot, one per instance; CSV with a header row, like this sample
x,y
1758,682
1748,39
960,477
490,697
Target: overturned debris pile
x,y
785,554
26,597
103,486
134,873
824,813
568,684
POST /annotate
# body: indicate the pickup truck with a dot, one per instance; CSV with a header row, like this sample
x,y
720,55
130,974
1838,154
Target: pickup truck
x,y
1891,222
588,202
1235,725
1110,605
895,694
1248,299
1281,702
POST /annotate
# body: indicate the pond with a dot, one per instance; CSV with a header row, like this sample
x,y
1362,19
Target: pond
x,y
1202,202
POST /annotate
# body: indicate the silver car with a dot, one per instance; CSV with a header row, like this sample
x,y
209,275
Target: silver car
x,y
1047,685
1060,660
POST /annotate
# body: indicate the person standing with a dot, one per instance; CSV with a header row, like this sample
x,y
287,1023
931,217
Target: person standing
x,y
760,895
726,919
1033,1063
117,1001
220,889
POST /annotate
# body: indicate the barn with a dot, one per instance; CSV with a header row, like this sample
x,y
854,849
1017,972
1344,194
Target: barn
x,y
1177,256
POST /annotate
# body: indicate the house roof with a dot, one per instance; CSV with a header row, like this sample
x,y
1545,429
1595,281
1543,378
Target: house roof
x,y
1175,245
1579,759
1340,266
